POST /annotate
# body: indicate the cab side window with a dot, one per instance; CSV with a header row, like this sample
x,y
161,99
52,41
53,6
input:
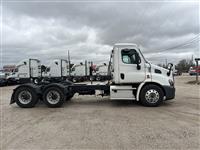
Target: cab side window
x,y
129,56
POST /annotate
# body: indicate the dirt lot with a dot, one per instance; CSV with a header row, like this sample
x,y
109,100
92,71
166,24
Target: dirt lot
x,y
89,122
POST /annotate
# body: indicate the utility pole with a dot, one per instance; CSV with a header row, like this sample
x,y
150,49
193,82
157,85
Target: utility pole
x,y
192,61
69,63
90,71
197,69
166,63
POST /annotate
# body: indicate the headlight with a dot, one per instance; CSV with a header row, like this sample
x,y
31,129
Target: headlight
x,y
171,82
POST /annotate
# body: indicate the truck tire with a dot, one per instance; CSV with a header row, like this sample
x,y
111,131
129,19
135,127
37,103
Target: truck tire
x,y
25,97
98,78
91,78
36,81
151,95
74,80
54,97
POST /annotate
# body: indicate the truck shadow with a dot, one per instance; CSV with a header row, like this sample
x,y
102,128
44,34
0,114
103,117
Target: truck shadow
x,y
104,103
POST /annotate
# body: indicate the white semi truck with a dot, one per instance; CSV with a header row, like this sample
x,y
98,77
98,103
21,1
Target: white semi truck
x,y
57,70
80,72
27,70
133,78
3,80
101,72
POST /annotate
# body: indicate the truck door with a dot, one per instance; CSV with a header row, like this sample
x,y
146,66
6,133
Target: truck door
x,y
35,68
131,66
56,69
23,69
64,68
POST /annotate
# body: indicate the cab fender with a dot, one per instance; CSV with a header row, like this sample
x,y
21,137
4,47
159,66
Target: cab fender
x,y
34,87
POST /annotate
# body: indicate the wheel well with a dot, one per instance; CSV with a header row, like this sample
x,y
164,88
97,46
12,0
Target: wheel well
x,y
57,85
31,86
154,83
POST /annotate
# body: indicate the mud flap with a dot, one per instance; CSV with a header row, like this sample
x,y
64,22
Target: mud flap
x,y
12,97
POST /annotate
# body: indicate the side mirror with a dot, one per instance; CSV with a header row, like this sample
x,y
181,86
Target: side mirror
x,y
138,61
138,67
169,67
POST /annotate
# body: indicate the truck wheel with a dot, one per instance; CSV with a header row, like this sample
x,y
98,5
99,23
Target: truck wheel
x,y
151,95
35,81
54,97
91,78
74,80
98,78
25,97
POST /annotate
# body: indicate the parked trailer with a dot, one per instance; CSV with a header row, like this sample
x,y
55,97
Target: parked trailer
x,y
133,78
27,70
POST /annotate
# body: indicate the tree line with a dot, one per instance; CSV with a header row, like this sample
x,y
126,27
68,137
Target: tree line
x,y
182,66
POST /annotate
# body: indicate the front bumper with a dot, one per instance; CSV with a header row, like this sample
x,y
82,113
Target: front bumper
x,y
169,92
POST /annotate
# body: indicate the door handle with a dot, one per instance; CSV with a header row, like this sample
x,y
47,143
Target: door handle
x,y
122,76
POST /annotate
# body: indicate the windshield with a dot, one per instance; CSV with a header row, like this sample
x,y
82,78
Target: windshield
x,y
15,70
143,56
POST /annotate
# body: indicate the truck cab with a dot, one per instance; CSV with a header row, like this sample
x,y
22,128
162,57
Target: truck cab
x,y
57,68
80,72
26,70
130,70
101,72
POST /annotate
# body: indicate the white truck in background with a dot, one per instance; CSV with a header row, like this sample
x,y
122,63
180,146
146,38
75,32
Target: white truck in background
x,y
3,80
101,72
57,70
80,72
89,71
132,78
27,70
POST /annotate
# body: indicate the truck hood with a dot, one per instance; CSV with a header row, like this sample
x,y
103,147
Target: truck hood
x,y
163,70
11,76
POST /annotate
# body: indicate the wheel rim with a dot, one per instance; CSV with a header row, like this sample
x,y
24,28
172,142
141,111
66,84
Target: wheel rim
x,y
53,97
152,96
36,81
25,97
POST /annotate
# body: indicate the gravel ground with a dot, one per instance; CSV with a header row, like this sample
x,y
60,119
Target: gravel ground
x,y
89,122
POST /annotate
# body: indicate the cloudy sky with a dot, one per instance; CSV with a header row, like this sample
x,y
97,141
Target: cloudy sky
x,y
47,29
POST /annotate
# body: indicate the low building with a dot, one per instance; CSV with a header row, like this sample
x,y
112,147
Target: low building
x,y
9,68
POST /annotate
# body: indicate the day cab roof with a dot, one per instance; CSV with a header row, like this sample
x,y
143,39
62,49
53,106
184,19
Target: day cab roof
x,y
125,45
27,61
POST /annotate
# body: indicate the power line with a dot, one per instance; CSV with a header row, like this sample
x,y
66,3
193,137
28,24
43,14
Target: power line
x,y
186,43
